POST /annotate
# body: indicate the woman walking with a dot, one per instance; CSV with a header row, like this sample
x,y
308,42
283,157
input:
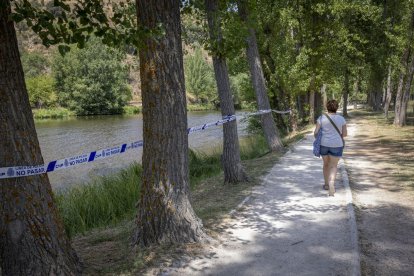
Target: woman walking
x,y
333,128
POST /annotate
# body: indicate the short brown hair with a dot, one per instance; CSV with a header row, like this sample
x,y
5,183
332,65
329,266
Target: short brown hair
x,y
332,106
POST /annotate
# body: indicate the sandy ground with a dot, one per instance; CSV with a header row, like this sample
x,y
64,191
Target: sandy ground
x,y
384,205
289,226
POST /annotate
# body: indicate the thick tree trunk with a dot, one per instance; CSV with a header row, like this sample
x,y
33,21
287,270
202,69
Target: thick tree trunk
x,y
231,161
356,92
318,105
165,214
259,85
32,237
388,92
345,94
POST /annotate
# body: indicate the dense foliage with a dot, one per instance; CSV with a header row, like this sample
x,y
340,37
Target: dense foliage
x,y
199,77
41,91
92,80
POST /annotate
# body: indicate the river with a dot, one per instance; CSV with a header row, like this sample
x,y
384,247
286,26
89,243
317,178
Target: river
x,y
76,135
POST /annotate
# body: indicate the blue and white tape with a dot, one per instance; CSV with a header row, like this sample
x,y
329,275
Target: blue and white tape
x,y
225,119
22,171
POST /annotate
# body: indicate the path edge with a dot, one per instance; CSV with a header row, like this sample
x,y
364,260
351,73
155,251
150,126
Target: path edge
x,y
356,259
233,212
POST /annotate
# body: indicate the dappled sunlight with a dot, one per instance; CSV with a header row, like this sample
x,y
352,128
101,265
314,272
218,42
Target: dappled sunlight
x,y
289,226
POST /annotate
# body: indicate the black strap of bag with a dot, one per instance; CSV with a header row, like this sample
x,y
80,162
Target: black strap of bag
x,y
329,118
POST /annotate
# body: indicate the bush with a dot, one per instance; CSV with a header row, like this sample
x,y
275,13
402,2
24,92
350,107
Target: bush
x,y
92,80
199,77
34,64
242,89
41,91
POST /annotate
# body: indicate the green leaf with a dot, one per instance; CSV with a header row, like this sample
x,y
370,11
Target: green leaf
x,y
63,49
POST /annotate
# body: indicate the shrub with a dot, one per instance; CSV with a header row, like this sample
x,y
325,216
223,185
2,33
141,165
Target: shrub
x,y
199,77
34,64
92,80
41,91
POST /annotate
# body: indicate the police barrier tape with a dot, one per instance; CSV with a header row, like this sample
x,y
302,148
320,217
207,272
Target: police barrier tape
x,y
22,171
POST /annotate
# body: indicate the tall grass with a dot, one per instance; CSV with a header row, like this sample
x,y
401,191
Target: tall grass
x,y
52,113
111,199
106,201
131,110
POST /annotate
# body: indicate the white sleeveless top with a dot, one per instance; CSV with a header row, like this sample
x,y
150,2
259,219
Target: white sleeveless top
x,y
330,137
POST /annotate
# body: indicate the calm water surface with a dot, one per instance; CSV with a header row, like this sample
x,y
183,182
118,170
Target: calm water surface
x,y
74,136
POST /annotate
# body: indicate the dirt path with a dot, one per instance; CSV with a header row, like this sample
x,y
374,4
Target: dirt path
x,y
380,162
288,227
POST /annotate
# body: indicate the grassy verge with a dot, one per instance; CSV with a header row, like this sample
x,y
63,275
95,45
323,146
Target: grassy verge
x,y
393,146
131,110
60,112
52,113
108,249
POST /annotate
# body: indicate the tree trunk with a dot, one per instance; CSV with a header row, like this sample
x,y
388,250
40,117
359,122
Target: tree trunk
x,y
404,84
398,99
374,96
32,237
345,94
406,94
388,92
318,105
356,92
258,81
231,161
324,96
312,106
165,214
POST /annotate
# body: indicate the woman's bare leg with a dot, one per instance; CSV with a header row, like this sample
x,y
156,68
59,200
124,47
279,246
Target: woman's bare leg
x,y
333,167
326,162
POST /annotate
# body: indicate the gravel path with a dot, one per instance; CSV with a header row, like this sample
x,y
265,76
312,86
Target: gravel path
x,y
288,226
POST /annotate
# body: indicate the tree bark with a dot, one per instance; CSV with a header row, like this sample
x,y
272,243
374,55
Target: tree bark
x,y
374,96
345,94
404,84
32,237
398,99
312,106
406,94
231,161
259,85
388,92
324,96
165,214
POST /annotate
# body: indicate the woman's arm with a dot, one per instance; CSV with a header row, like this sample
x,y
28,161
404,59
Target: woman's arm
x,y
344,131
318,126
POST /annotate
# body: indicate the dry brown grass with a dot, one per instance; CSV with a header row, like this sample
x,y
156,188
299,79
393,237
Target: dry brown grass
x,y
391,147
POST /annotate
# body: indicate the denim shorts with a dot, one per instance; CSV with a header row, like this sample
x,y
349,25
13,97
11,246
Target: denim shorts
x,y
332,151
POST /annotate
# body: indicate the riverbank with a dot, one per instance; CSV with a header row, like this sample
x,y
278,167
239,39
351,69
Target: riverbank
x,y
108,249
60,112
111,199
380,159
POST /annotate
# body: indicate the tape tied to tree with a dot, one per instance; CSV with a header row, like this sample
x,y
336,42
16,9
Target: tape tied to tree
x,y
82,159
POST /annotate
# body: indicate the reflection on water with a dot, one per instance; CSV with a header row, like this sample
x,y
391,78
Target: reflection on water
x,y
73,136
